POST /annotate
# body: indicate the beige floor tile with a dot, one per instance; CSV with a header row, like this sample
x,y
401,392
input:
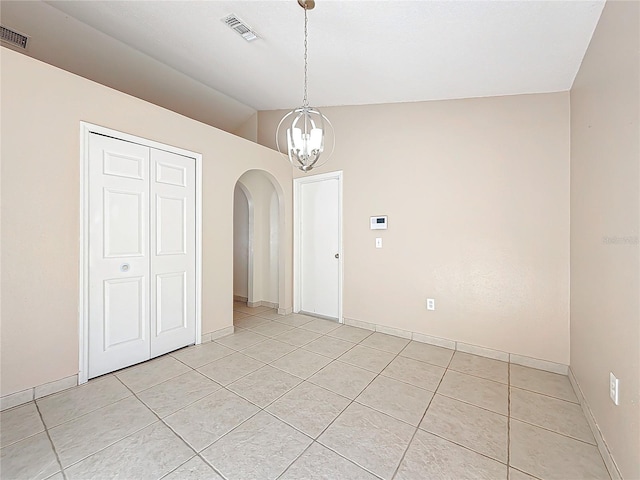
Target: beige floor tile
x,y
320,463
480,367
416,373
350,334
428,353
56,476
552,456
19,423
272,315
472,427
31,458
343,379
64,406
518,475
551,413
205,421
369,438
309,408
539,381
229,369
398,399
298,337
241,340
301,363
293,319
261,448
250,310
145,455
238,315
480,392
272,329
174,394
250,321
264,386
94,431
329,347
194,469
269,350
147,374
385,342
429,457
367,358
321,326
200,355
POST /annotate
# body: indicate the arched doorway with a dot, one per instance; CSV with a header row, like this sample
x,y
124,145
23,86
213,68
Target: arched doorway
x,y
258,225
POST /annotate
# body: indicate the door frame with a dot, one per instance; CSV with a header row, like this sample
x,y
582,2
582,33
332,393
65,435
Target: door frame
x,y
86,129
297,251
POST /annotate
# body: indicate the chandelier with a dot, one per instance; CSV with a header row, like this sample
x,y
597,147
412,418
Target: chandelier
x,y
303,129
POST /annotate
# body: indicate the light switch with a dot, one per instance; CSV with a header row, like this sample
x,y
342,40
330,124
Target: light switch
x,y
378,242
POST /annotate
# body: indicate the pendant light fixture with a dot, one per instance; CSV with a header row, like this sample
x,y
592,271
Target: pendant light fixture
x,y
302,132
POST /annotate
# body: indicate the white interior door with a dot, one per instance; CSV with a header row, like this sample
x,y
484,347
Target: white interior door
x,y
173,251
118,254
319,222
141,253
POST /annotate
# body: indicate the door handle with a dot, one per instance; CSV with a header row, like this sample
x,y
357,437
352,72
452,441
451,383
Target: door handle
x,y
124,267
337,255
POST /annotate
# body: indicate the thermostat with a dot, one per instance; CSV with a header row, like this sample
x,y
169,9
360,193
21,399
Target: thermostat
x,y
379,223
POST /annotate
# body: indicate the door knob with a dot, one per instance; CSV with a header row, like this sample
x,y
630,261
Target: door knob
x,y
124,267
337,255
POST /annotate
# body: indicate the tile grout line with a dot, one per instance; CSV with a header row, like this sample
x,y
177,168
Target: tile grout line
x,y
404,454
351,402
53,447
160,420
196,454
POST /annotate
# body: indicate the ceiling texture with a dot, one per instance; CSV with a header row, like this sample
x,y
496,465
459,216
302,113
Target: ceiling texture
x,y
180,55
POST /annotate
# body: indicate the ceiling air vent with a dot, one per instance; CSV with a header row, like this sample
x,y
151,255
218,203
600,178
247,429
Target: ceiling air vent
x,y
13,38
241,28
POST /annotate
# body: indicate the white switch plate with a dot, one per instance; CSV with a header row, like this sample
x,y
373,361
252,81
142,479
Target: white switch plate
x,y
431,304
614,385
378,242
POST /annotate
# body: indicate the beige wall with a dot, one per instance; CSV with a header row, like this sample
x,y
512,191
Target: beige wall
x,y
249,129
477,194
42,107
240,243
605,212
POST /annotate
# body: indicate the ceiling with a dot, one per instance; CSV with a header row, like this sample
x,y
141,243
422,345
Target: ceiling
x,y
178,54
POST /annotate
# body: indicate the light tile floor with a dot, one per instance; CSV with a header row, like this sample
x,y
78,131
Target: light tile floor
x,y
301,398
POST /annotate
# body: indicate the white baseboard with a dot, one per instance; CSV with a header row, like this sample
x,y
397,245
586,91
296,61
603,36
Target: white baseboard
x,y
463,347
285,311
39,391
239,298
223,332
609,462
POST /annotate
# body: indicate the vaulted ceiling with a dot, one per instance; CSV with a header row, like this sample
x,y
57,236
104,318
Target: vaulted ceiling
x,y
180,55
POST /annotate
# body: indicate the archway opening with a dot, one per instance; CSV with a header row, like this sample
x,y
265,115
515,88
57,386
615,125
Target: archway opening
x,y
257,228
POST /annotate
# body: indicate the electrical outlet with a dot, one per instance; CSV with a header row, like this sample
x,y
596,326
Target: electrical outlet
x,y
431,304
614,386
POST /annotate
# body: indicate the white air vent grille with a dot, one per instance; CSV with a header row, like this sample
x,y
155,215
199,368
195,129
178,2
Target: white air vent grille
x,y
14,38
241,28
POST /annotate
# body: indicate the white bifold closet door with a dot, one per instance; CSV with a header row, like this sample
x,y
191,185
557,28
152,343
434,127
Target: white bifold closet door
x,y
141,253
